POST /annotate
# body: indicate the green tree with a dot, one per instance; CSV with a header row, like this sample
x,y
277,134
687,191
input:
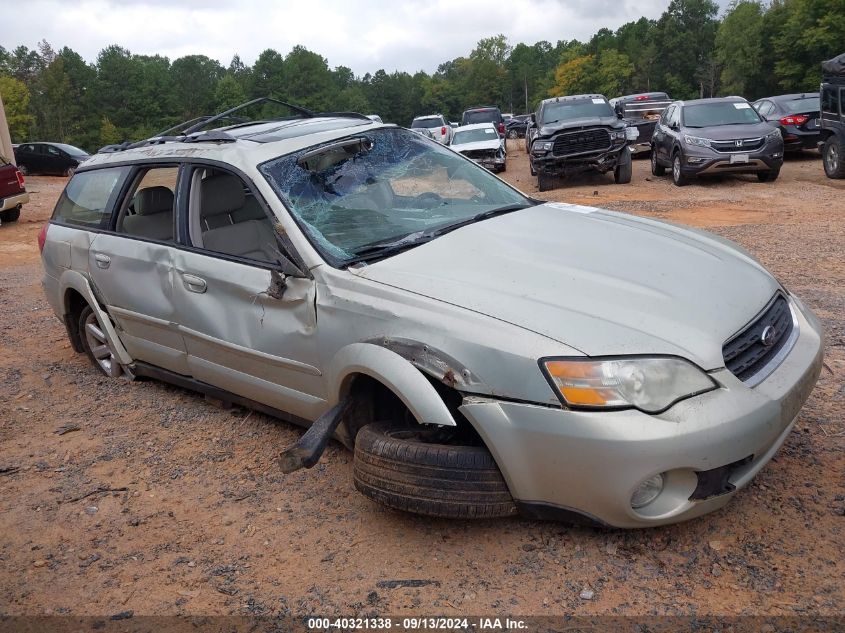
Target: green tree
x,y
16,103
613,73
194,80
109,134
814,30
228,93
739,47
685,37
573,77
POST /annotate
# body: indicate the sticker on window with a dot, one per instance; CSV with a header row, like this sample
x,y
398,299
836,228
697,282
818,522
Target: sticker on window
x,y
598,101
489,131
741,106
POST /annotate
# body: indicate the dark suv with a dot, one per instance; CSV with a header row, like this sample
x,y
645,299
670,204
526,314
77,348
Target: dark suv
x,y
711,136
575,134
485,114
832,132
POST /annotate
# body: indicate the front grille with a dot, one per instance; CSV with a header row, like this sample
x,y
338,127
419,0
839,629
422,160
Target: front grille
x,y
747,145
581,142
478,154
746,353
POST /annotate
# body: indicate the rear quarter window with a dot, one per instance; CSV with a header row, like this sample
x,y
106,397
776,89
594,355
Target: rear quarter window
x,y
89,197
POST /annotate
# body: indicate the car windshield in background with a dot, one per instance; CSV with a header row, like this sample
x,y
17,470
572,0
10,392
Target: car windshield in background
x,y
427,123
807,104
70,149
576,109
386,189
475,136
481,116
721,113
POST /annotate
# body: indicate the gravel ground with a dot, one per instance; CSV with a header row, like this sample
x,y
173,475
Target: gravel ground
x,y
118,496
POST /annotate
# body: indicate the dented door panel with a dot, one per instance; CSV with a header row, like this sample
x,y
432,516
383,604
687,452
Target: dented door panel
x,y
243,335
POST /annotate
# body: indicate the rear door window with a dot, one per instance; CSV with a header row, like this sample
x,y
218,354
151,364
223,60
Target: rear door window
x,y
148,211
89,197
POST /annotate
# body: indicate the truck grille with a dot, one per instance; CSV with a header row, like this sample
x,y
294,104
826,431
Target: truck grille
x,y
749,351
581,142
746,145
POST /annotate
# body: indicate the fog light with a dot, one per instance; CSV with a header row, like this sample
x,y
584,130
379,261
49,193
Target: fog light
x,y
695,161
647,491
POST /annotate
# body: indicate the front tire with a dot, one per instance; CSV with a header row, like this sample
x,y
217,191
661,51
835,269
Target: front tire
x,y
768,176
398,467
656,168
834,161
622,173
678,176
545,182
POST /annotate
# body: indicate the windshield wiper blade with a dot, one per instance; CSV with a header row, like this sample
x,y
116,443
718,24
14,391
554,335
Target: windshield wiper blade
x,y
484,215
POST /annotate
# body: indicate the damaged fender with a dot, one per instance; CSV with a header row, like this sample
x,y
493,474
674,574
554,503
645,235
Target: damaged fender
x,y
396,373
71,279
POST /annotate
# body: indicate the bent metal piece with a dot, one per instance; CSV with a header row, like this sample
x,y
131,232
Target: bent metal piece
x,y
306,452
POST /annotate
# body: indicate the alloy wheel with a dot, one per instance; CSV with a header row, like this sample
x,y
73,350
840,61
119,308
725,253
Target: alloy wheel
x,y
832,159
100,349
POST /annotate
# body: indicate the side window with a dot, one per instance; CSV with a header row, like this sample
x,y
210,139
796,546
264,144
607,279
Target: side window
x,y
148,210
764,108
829,101
89,197
52,151
667,113
225,217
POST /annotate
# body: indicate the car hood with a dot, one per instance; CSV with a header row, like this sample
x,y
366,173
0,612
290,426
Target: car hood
x,y
548,129
601,282
465,147
730,132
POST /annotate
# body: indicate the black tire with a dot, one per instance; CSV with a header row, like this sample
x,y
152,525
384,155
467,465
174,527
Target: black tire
x,y
768,176
678,176
531,168
23,170
69,172
10,215
512,134
622,172
833,158
656,168
545,182
395,467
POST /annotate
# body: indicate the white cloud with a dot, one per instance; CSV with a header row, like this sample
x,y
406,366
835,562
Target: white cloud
x,y
407,35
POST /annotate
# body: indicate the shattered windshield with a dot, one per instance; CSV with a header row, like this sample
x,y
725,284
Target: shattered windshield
x,y
380,187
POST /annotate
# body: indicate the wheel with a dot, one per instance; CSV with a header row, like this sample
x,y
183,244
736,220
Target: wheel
x,y
677,175
834,162
768,176
10,215
656,168
503,168
96,345
512,134
622,172
545,182
69,171
401,468
531,168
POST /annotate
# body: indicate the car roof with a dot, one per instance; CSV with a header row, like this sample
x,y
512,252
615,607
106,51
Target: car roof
x,y
428,116
573,98
640,95
476,126
482,108
712,100
801,95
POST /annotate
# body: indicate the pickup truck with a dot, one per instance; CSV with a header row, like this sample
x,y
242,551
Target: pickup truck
x,y
13,193
641,111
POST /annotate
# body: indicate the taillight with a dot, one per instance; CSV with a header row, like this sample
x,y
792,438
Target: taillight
x,y
443,131
794,119
42,237
20,179
501,128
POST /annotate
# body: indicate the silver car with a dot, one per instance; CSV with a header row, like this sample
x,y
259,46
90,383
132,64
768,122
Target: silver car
x,y
483,353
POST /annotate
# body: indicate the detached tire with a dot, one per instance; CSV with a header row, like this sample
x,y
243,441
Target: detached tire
x,y
395,466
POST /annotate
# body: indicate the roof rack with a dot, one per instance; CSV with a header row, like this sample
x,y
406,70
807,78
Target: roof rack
x,y
193,126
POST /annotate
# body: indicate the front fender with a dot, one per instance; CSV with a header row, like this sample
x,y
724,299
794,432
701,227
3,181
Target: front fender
x,y
74,280
396,373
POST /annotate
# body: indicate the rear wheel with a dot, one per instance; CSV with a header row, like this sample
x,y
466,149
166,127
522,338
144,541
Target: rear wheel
x,y
69,171
512,134
23,170
656,168
678,176
405,468
96,344
10,215
768,176
834,162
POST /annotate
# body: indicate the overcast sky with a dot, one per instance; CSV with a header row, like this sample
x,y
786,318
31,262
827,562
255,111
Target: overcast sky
x,y
407,35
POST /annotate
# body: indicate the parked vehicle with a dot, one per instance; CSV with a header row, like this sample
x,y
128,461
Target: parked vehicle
x,y
575,134
484,114
798,117
481,143
424,131
641,111
483,353
713,136
49,158
832,144
516,126
440,129
13,194
375,117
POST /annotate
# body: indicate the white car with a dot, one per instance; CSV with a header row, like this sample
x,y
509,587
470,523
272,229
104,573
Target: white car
x,y
437,124
481,143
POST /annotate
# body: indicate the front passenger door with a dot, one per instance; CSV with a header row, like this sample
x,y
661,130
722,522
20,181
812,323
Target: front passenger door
x,y
243,332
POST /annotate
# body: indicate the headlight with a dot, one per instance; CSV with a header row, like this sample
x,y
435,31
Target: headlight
x,y
618,135
649,384
696,140
773,135
542,146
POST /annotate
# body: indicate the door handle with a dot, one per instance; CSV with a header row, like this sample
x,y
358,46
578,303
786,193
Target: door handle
x,y
103,261
194,283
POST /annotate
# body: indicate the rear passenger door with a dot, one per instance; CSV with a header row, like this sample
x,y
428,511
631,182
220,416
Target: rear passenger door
x,y
132,264
243,333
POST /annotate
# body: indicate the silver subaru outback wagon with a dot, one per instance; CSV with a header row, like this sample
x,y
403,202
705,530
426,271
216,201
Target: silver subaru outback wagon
x,y
483,353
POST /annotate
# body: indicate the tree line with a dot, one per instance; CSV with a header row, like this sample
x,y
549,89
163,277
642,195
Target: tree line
x,y
753,49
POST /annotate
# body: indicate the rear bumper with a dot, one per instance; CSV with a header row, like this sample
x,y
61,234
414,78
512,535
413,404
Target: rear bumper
x,y
13,201
796,139
558,461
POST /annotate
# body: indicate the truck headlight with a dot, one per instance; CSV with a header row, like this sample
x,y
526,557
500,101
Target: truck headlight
x,y
696,140
618,135
650,384
542,146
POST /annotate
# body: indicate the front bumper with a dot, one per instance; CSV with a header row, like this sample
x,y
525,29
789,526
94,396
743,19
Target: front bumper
x,y
699,160
492,163
558,462
13,201
553,165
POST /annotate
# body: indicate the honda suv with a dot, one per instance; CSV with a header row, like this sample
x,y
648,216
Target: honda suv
x,y
713,136
481,352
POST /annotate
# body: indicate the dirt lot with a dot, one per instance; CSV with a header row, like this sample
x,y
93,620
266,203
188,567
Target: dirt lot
x,y
161,503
